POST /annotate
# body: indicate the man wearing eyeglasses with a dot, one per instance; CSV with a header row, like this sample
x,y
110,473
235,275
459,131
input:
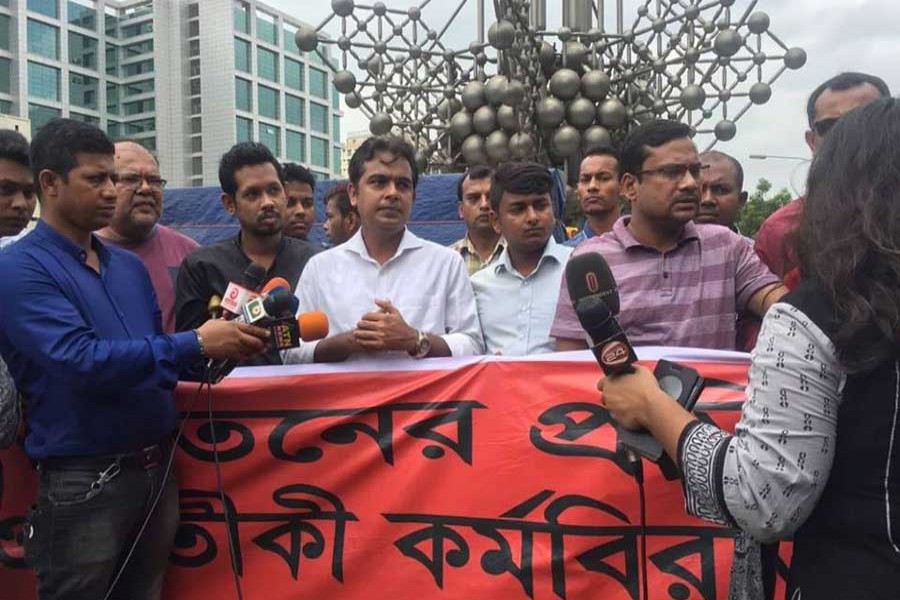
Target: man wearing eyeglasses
x,y
680,283
828,103
135,224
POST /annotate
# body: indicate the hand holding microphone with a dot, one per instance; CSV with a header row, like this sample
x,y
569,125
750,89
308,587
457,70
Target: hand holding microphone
x,y
232,340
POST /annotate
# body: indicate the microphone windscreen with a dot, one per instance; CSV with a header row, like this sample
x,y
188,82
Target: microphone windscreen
x,y
254,275
589,274
274,283
280,302
313,325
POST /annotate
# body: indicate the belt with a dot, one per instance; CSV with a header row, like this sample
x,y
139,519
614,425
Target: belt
x,y
145,458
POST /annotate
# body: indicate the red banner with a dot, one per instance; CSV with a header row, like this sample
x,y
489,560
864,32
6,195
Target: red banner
x,y
487,478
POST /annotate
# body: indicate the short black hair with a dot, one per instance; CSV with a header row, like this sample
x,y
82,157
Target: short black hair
x,y
845,81
244,154
299,173
58,143
372,146
603,151
14,147
341,196
472,174
653,134
519,178
735,163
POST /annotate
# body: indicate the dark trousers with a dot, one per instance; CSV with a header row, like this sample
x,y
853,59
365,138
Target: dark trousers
x,y
88,514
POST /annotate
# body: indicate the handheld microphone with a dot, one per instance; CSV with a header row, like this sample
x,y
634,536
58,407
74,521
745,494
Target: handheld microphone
x,y
238,294
214,307
286,333
273,283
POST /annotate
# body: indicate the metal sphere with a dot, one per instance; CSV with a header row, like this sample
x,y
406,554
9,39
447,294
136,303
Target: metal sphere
x,y
692,97
580,113
795,58
612,113
758,23
344,43
658,25
691,12
725,95
496,146
421,160
481,58
473,150
381,85
375,65
342,8
659,106
414,13
691,55
501,35
449,107
495,89
565,84
760,93
515,93
344,81
380,124
725,130
547,57
760,58
507,118
550,112
484,120
306,38
575,53
727,43
564,34
380,47
595,137
473,95
521,145
461,125
565,141
595,85
415,51
353,100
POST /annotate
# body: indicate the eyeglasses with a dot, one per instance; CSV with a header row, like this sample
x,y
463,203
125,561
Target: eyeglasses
x,y
676,172
824,126
133,182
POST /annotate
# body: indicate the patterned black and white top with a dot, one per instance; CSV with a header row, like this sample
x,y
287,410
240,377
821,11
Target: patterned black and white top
x,y
9,407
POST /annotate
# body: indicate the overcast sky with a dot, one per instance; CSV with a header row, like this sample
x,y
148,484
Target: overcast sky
x,y
838,35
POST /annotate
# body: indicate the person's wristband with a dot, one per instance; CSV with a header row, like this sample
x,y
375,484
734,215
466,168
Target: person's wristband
x,y
200,342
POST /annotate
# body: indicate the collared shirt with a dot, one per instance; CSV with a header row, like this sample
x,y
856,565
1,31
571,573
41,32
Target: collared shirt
x,y
688,296
515,311
427,283
12,239
207,271
162,253
87,349
470,255
772,239
586,233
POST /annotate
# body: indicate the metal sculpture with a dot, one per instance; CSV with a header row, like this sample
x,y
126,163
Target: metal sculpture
x,y
528,92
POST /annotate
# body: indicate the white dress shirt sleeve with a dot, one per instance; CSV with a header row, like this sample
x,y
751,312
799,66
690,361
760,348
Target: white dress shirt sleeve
x,y
461,324
307,294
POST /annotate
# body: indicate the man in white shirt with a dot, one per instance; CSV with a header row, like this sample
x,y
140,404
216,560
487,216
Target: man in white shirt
x,y
386,291
516,295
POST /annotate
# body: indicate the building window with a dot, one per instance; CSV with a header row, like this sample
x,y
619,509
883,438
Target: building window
x,y
197,182
335,127
318,152
193,10
113,129
268,103
196,125
111,22
139,87
318,117
196,144
294,110
139,106
318,83
195,67
270,136
40,115
243,94
138,48
149,144
290,45
6,107
138,68
266,64
112,60
82,14
293,74
136,29
4,32
45,7
112,98
82,51
266,27
5,75
90,120
43,81
335,100
84,91
295,145
336,157
195,86
140,126
196,106
194,48
242,17
193,28
43,39
243,129
197,165
242,55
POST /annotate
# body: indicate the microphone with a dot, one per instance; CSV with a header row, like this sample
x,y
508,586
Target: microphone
x,y
286,333
275,282
214,307
238,294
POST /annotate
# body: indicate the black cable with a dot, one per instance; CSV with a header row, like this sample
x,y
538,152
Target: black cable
x,y
639,477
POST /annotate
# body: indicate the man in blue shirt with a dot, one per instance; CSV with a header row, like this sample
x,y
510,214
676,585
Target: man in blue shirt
x,y
81,331
598,193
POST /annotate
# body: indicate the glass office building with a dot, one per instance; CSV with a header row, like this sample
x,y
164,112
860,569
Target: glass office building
x,y
186,78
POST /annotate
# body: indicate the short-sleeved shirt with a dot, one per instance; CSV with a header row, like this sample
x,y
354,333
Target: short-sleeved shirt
x,y
516,312
162,253
772,241
688,296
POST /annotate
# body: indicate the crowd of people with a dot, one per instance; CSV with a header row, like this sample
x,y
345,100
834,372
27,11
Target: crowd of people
x,y
102,309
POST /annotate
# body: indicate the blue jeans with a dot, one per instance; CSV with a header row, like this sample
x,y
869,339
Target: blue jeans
x,y
87,518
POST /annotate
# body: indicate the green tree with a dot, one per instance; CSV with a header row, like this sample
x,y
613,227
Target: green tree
x,y
759,206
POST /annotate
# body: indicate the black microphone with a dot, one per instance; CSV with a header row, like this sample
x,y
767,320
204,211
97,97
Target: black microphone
x,y
593,291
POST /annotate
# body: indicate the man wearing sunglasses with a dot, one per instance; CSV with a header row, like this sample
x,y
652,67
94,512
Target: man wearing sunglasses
x,y
135,224
680,283
828,103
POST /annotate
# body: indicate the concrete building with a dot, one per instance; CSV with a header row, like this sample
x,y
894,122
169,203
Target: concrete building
x,y
351,143
187,78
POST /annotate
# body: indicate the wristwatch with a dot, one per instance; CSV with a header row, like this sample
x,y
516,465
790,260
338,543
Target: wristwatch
x,y
423,345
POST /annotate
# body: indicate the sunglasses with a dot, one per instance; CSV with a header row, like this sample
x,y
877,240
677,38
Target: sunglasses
x,y
824,126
